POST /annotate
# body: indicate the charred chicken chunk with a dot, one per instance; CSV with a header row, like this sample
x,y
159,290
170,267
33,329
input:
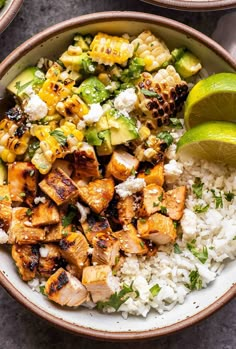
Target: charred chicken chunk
x,y
26,258
129,240
5,208
105,249
121,165
94,225
174,201
86,163
45,213
50,260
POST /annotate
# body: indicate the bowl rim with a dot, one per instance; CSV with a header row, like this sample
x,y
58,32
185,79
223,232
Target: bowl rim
x,y
10,14
189,5
8,63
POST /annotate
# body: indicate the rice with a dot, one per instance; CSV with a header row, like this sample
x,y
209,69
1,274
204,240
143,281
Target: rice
x,y
214,229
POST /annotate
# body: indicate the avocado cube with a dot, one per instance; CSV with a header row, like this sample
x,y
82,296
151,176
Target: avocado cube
x,y
187,65
105,148
92,90
91,135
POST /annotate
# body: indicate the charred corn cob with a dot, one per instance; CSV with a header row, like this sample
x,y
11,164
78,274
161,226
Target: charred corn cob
x,y
54,71
108,50
152,49
73,109
53,92
14,140
54,144
161,97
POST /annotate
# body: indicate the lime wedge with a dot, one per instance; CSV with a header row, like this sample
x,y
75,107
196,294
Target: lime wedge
x,y
213,141
213,98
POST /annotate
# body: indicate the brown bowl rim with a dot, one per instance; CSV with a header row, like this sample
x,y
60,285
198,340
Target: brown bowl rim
x,y
10,14
194,6
7,64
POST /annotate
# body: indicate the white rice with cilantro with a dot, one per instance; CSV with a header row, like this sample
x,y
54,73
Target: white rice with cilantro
x,y
207,240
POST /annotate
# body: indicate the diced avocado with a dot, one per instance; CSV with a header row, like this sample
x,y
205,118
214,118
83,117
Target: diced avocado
x,y
187,65
83,41
177,53
92,91
122,128
78,62
105,148
91,135
3,173
31,76
135,68
102,124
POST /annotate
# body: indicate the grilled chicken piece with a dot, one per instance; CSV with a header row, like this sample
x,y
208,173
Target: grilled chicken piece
x,y
152,248
45,214
86,163
94,225
157,228
154,175
74,249
105,249
75,271
119,263
27,259
22,180
174,201
153,196
65,289
50,260
97,194
121,165
5,208
130,242
21,230
126,210
99,282
59,231
59,187
64,165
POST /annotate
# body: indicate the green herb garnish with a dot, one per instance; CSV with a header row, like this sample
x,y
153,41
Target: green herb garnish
x,y
20,88
218,199
166,137
42,290
149,93
160,198
22,194
200,208
147,171
155,290
4,197
32,148
117,299
229,196
177,250
201,255
142,244
133,172
29,212
59,136
195,281
68,218
142,220
197,187
176,123
155,204
163,210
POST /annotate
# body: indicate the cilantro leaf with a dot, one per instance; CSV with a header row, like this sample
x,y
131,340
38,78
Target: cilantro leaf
x,y
166,137
195,280
176,123
42,290
177,250
200,208
218,199
32,148
68,218
147,171
229,196
163,210
155,290
197,187
117,299
149,93
201,255
59,136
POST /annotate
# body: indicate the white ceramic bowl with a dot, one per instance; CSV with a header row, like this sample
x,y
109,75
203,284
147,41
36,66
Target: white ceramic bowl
x,y
50,43
8,12
195,5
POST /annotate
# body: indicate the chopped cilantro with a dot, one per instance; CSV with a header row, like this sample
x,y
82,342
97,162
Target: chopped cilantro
x,y
229,196
117,299
177,250
20,87
142,244
22,194
149,93
147,171
163,210
68,218
155,290
142,220
166,137
234,238
155,204
197,187
176,123
195,280
42,290
160,198
218,199
32,148
59,136
201,255
133,172
200,208
4,197
175,223
29,212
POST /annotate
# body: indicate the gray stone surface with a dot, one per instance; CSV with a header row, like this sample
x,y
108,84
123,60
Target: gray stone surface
x,y
20,329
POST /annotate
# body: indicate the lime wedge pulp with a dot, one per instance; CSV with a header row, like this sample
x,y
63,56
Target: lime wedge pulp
x,y
213,98
213,141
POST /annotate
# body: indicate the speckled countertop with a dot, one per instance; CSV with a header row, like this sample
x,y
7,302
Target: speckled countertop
x,y
20,329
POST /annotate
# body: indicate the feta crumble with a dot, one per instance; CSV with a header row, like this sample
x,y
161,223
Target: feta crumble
x,y
39,199
43,251
84,211
94,113
172,171
130,186
125,101
3,237
36,108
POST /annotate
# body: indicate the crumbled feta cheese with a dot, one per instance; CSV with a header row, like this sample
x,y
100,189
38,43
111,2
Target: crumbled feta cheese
x,y
84,211
189,224
81,125
172,171
130,186
3,237
126,100
171,152
36,108
44,251
39,199
94,113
